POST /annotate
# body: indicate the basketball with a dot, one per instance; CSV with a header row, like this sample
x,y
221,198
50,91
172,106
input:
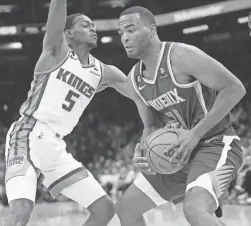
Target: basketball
x,y
154,148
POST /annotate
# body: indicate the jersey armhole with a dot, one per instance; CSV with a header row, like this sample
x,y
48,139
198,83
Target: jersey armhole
x,y
65,58
169,66
101,74
135,85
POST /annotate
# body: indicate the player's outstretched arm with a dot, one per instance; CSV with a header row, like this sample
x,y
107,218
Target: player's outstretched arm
x,y
192,61
115,78
55,25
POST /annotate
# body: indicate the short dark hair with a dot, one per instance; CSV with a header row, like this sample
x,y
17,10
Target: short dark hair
x,y
143,13
70,20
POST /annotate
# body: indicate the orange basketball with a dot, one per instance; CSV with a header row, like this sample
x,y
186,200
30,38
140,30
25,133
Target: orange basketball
x,y
154,148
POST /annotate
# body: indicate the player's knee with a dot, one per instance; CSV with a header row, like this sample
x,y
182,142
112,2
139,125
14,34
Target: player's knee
x,y
198,202
191,208
20,211
102,209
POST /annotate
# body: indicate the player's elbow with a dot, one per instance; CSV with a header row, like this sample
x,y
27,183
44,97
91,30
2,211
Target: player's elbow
x,y
241,89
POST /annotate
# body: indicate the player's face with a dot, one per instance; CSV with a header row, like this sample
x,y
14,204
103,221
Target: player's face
x,y
135,35
84,31
249,20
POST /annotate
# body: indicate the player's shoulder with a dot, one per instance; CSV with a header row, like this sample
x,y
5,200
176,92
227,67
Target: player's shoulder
x,y
111,73
104,66
131,80
180,50
134,71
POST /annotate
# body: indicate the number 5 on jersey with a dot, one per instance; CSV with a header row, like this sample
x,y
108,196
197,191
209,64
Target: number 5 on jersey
x,y
70,98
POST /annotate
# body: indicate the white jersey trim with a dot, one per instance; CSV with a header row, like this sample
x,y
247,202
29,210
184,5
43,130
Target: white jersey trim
x,y
135,85
55,67
169,66
101,74
152,81
198,90
91,62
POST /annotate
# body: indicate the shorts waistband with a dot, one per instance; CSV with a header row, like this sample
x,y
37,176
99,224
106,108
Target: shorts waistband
x,y
57,135
26,120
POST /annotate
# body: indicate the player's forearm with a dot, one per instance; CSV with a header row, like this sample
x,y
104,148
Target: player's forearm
x,y
116,79
227,98
146,132
120,87
56,20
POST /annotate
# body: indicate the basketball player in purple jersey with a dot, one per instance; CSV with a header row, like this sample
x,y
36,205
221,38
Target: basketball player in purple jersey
x,y
65,80
175,81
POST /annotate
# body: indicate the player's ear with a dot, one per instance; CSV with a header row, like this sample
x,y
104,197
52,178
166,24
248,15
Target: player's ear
x,y
153,30
68,33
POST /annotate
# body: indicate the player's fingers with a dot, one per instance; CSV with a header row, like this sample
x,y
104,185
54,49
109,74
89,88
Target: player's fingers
x,y
171,129
143,166
168,126
137,151
167,151
176,125
149,172
140,159
177,153
186,160
183,157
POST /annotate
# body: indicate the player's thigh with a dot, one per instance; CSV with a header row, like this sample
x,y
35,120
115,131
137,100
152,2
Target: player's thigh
x,y
86,192
213,168
150,191
167,187
48,153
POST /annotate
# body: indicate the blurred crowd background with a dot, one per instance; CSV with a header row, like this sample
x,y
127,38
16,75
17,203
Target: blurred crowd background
x,y
106,135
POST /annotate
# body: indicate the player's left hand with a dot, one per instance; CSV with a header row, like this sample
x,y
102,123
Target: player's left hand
x,y
186,143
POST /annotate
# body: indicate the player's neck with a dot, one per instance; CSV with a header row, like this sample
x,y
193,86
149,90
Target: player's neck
x,y
82,53
150,57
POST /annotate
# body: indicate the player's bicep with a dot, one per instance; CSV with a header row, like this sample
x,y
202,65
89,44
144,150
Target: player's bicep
x,y
55,25
147,115
49,59
193,61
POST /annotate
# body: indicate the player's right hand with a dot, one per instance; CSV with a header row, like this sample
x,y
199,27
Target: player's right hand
x,y
140,162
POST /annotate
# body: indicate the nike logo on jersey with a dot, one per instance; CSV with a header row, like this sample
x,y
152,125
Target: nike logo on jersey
x,y
142,87
75,82
167,99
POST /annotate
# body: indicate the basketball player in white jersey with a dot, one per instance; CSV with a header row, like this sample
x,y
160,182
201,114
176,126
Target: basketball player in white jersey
x,y
175,81
65,81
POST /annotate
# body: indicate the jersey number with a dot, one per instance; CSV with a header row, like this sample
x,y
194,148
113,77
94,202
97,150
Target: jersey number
x,y
71,100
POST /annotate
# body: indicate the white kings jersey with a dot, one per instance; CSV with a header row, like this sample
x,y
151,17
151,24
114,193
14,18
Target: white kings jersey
x,y
59,96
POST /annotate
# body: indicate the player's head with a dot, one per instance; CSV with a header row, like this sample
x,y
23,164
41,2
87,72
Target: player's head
x,y
249,20
80,30
137,28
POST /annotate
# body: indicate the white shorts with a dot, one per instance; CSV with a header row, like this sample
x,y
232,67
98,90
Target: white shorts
x,y
33,149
